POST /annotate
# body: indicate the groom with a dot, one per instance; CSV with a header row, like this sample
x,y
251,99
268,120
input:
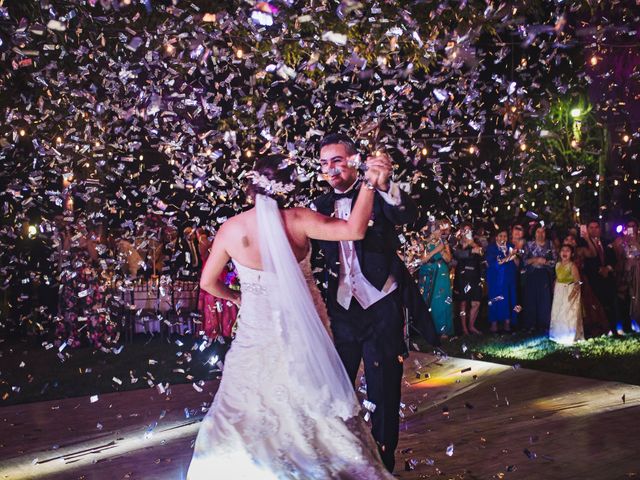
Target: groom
x,y
365,284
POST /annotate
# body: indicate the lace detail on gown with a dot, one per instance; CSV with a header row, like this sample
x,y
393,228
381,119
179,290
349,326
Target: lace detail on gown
x,y
256,427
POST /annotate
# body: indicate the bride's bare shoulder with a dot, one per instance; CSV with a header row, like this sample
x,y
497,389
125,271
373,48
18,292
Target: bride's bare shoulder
x,y
296,215
297,212
236,223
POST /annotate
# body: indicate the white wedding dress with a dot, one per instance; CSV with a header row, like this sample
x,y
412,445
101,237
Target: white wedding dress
x,y
285,408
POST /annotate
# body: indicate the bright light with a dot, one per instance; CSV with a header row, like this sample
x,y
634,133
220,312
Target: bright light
x,y
625,138
523,146
32,230
576,112
619,229
425,151
22,132
593,60
472,149
239,53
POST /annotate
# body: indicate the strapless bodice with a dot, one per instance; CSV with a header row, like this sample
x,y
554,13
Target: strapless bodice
x,y
258,316
254,281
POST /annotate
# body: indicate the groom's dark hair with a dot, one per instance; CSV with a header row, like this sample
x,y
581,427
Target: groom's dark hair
x,y
339,139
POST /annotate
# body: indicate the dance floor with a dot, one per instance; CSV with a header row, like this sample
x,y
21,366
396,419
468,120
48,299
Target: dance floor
x,y
462,419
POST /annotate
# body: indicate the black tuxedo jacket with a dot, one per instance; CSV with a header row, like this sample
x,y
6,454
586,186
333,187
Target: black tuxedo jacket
x,y
593,264
378,258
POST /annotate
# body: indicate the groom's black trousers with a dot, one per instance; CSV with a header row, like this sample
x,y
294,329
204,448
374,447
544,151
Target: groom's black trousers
x,y
374,335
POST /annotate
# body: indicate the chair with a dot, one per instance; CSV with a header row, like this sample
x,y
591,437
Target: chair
x,y
145,302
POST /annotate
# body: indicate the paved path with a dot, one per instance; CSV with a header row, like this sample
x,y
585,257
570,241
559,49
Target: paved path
x,y
495,421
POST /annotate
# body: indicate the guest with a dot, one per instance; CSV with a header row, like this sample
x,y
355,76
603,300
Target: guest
x,y
204,241
131,260
169,237
594,318
434,280
574,232
467,284
628,263
32,282
481,238
218,315
517,237
539,258
554,238
82,293
155,258
519,243
501,282
599,267
186,259
142,247
566,313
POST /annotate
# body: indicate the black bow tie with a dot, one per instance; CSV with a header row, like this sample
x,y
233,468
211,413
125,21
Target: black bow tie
x,y
351,193
338,196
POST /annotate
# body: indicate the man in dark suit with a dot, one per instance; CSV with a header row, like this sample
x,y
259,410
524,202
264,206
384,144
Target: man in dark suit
x,y
599,263
367,285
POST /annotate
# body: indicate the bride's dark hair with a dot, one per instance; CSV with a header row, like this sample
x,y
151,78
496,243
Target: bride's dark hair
x,y
273,176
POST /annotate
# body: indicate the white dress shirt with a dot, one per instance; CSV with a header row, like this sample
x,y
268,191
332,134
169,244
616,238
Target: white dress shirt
x,y
352,282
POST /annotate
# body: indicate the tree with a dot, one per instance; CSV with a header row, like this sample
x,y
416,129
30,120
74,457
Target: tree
x,y
561,166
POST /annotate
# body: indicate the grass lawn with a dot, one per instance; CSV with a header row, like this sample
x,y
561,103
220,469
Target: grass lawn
x,y
29,372
604,358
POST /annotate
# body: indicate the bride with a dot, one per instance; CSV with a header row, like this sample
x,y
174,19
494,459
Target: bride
x,y
285,408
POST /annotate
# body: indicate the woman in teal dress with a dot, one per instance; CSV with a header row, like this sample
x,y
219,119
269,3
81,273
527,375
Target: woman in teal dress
x,y
434,280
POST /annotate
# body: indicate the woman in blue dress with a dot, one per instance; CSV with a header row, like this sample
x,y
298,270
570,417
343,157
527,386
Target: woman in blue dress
x,y
501,282
434,280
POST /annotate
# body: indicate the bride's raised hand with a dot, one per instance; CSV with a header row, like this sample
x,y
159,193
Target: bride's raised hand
x,y
379,168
